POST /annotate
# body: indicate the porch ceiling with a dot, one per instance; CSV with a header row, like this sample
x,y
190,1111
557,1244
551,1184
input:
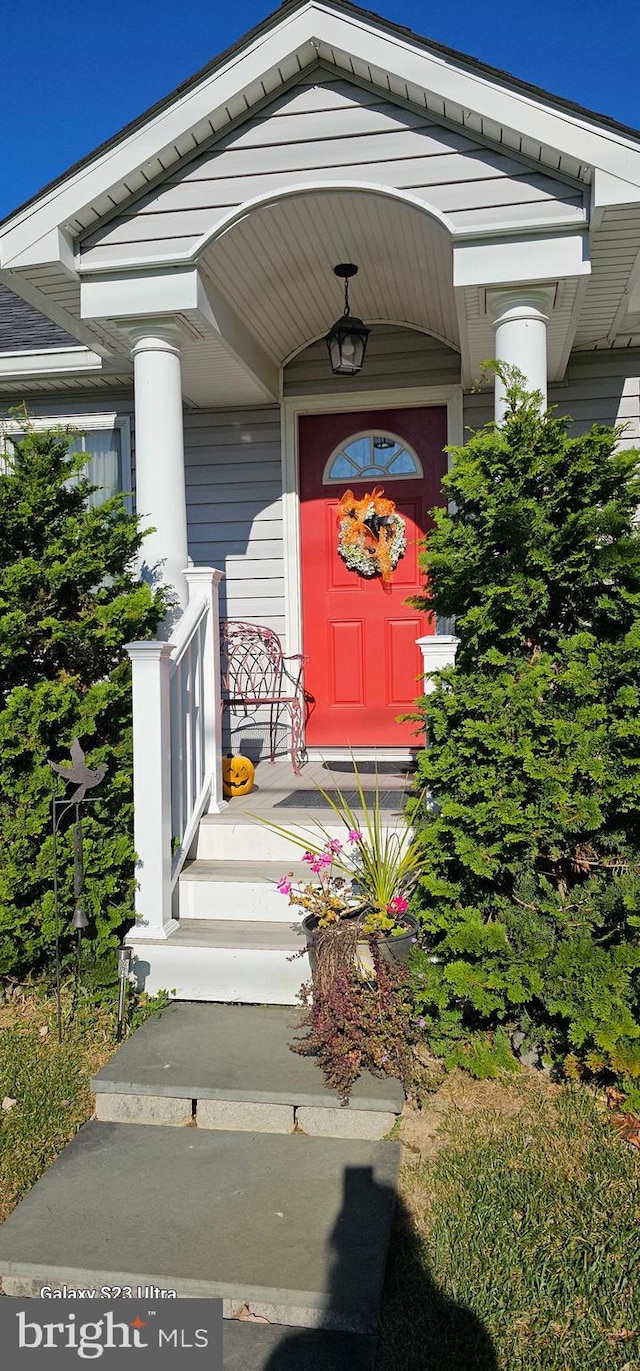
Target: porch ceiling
x,y
275,267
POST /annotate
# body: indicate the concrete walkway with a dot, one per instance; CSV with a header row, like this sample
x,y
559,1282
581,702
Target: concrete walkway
x,y
254,1347
289,1227
232,1066
296,1228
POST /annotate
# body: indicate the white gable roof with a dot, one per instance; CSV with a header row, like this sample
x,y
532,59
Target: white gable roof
x,y
270,58
229,170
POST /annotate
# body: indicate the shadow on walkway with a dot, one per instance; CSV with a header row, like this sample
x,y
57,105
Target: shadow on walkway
x,y
421,1329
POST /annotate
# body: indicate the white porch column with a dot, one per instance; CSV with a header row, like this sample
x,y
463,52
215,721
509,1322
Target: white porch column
x,y
150,662
521,315
159,438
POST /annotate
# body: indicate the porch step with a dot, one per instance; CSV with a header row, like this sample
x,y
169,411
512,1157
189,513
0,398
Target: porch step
x,y
295,1228
231,890
233,836
231,1066
228,960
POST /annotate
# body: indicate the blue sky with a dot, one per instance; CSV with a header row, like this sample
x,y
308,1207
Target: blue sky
x,y
72,75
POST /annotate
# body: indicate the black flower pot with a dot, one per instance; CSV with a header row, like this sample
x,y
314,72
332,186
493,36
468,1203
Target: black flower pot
x,y
396,947
392,947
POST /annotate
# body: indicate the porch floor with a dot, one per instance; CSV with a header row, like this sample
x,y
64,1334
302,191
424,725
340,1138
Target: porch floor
x,y
274,781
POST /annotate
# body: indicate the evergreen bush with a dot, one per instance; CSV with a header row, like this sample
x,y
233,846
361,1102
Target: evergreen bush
x,y
69,601
530,902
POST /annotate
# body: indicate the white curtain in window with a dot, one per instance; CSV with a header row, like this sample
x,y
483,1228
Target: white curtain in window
x,y
103,468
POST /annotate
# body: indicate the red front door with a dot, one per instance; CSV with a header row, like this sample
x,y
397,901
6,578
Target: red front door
x,y
359,634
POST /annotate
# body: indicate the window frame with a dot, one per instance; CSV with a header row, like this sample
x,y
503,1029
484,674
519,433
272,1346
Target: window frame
x,y
82,423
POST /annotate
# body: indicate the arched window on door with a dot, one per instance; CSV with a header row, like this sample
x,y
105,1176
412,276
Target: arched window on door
x,y
379,456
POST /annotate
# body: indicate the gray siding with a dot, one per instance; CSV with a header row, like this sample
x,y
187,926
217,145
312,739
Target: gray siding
x,y
603,388
395,357
327,130
66,404
477,410
600,387
234,497
234,514
234,508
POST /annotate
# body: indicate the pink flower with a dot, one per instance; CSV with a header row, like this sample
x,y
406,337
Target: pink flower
x,y
355,835
308,857
316,864
325,859
284,886
398,905
334,845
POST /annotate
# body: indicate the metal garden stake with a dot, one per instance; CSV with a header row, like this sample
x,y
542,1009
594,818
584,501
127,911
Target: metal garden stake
x,y
124,962
84,778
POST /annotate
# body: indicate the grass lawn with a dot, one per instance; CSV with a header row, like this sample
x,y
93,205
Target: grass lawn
x,y
48,1081
516,1244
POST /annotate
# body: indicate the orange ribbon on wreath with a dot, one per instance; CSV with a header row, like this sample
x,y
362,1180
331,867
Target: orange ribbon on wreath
x,y
367,526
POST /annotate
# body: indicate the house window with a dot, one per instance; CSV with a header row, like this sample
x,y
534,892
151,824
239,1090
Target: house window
x,y
104,465
106,440
376,456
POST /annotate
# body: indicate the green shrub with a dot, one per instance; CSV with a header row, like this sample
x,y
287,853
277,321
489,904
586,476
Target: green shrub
x,y
530,903
69,601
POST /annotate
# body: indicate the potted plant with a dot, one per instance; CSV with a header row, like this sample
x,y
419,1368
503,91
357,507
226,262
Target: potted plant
x,y
360,932
360,894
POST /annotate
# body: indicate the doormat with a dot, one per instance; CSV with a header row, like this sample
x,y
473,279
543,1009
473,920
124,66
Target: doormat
x,y
372,768
312,799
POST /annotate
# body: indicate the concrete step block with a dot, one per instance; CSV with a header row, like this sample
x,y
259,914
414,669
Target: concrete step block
x,y
158,1109
250,1346
257,1219
233,1052
344,1123
245,1117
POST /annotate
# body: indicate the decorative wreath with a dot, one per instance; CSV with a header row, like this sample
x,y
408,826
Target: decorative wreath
x,y
372,536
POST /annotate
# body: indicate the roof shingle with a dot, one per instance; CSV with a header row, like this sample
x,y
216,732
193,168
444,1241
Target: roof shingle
x,y
25,329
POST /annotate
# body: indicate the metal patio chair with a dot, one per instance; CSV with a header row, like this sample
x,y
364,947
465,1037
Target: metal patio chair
x,y
256,672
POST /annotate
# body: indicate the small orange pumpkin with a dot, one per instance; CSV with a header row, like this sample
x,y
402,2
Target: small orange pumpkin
x,y
237,776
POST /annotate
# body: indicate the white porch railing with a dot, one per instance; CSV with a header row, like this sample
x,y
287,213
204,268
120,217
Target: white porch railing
x,y
177,747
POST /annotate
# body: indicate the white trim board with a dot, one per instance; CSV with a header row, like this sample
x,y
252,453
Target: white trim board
x,y
291,408
561,226
49,362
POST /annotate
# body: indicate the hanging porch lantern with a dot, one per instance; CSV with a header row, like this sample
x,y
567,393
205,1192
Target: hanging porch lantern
x,y
347,340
